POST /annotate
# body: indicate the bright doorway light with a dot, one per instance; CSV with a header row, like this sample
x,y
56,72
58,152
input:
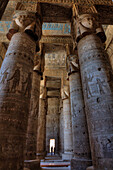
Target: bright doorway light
x,y
52,144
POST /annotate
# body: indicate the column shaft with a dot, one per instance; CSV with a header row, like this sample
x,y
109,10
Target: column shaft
x,y
41,133
33,118
31,142
61,131
15,85
68,144
81,147
67,126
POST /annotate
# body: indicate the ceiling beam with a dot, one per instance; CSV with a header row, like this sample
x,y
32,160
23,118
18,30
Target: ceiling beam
x,y
78,2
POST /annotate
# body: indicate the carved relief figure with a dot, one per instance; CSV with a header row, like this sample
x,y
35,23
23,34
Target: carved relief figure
x,y
36,109
4,76
74,108
28,84
100,86
54,124
109,145
110,108
16,80
87,80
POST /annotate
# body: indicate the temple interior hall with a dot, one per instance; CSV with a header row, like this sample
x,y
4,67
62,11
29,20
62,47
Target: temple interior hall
x,y
56,85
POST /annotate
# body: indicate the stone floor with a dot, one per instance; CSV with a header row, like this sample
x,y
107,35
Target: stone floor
x,y
54,163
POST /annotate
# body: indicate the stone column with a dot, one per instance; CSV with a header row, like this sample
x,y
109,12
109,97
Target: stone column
x,y
81,147
97,81
15,93
31,143
3,4
61,128
41,132
68,144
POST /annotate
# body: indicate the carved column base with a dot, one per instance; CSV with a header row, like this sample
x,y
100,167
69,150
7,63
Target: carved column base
x,y
80,164
31,164
67,156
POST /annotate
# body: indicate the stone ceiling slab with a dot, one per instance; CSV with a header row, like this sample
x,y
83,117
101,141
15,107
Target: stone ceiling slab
x,y
55,13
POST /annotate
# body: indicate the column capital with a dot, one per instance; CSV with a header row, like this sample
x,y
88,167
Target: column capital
x,y
39,64
72,64
42,92
28,22
71,60
65,92
86,24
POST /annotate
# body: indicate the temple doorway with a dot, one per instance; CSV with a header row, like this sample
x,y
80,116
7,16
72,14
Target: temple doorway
x,y
52,146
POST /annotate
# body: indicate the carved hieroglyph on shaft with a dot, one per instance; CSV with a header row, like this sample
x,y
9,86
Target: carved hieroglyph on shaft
x,y
15,80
